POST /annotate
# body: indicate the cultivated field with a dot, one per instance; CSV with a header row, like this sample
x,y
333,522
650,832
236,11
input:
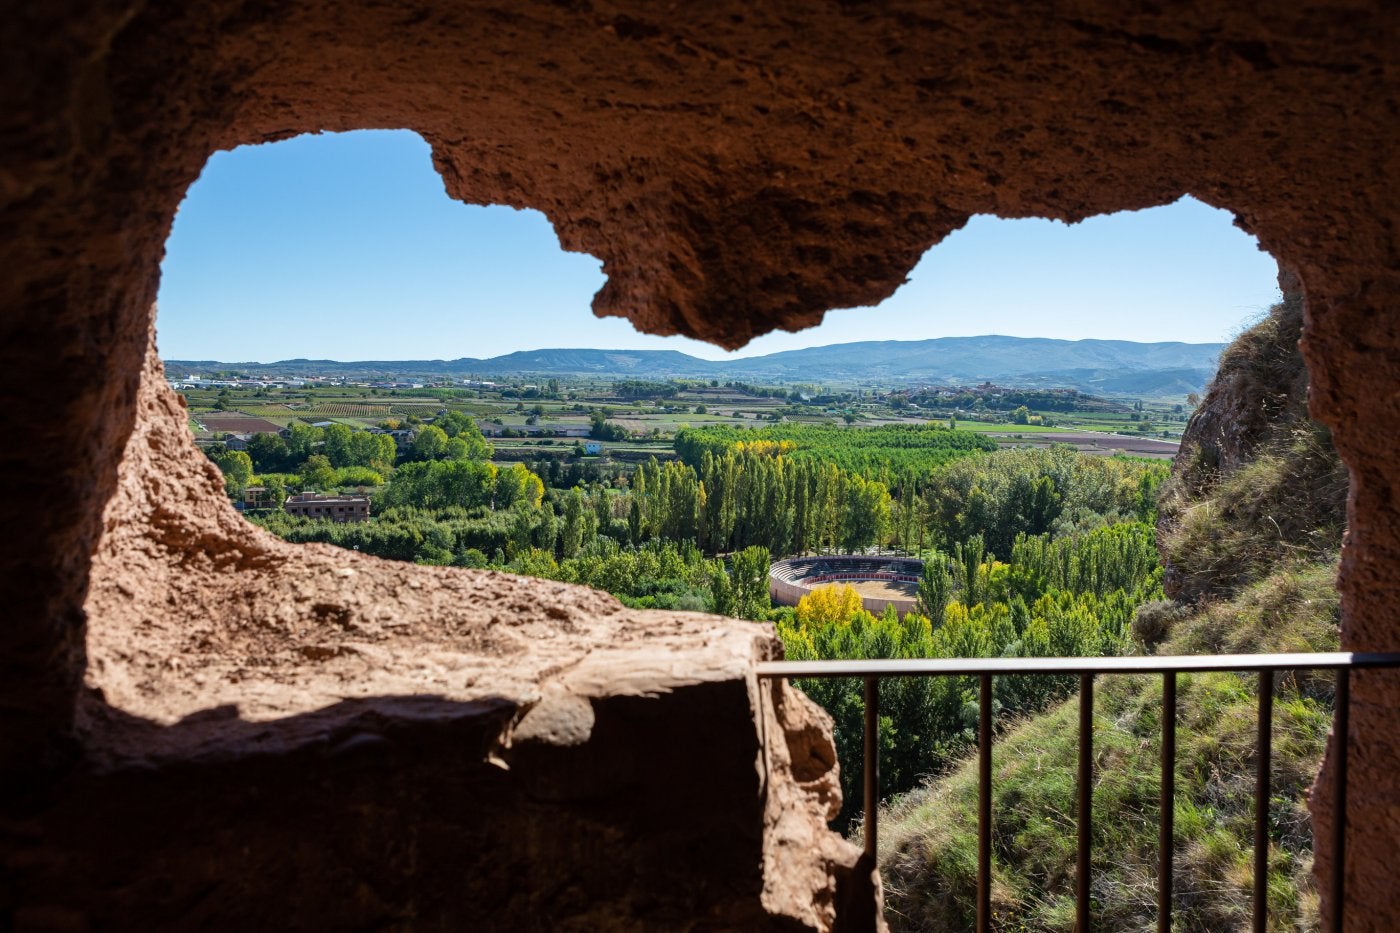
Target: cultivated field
x,y
527,423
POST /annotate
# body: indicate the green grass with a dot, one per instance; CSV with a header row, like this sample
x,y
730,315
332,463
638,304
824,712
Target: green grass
x,y
929,843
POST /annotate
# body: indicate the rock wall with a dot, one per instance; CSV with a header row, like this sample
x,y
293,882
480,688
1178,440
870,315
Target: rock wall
x,y
738,168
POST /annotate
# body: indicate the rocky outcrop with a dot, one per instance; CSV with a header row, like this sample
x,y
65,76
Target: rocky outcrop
x,y
1260,391
737,168
1257,483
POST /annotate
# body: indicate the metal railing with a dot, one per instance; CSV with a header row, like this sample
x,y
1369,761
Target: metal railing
x,y
1264,665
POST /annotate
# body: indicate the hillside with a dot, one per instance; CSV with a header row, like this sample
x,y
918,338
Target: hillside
x,y
1249,528
1114,366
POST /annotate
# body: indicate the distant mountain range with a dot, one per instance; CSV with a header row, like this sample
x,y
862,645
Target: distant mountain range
x,y
1103,367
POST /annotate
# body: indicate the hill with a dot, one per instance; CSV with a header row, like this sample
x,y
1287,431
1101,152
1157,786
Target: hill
x,y
1101,366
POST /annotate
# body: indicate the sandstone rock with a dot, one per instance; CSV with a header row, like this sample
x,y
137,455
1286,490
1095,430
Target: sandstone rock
x,y
738,168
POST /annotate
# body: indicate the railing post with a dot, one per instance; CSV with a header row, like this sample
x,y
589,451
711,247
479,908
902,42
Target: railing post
x,y
1166,842
1083,920
872,766
984,807
1341,739
1263,761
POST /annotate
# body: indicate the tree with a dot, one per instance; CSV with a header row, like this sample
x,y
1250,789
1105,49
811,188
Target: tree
x,y
634,520
967,562
452,422
571,535
302,440
318,472
376,451
829,605
935,587
438,484
518,485
750,578
276,491
1021,415
237,468
269,452
457,425
547,531
430,443
454,449
337,445
866,513
603,430
721,591
521,527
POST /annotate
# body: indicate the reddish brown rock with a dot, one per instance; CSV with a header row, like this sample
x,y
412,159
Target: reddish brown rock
x,y
738,168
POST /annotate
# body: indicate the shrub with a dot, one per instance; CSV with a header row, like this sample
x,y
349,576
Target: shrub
x,y
1152,622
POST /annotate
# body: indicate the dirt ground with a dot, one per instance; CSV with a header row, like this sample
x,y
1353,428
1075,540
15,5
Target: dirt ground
x,y
886,589
1097,442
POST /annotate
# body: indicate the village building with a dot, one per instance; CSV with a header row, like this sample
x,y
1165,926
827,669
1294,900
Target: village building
x,y
336,508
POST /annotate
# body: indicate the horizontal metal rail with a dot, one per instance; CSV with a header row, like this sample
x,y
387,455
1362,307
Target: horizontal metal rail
x,y
1150,664
985,669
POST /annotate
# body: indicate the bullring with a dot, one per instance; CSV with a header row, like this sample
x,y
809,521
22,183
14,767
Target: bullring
x,y
880,581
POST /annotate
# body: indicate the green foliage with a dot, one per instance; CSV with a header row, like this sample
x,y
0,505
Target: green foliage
x,y
928,836
604,430
1250,524
1070,597
430,443
317,472
517,485
1033,492
660,575
441,483
935,585
639,388
237,468
750,582
750,496
881,452
357,476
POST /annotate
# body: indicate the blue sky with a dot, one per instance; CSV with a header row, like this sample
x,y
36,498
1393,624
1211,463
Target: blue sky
x,y
345,246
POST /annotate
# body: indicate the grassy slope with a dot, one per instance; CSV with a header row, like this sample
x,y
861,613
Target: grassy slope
x,y
929,843
1254,547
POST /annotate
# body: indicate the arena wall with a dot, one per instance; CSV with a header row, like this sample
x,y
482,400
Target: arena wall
x,y
789,580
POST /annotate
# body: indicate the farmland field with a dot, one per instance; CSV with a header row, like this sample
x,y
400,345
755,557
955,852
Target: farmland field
x,y
350,410
525,421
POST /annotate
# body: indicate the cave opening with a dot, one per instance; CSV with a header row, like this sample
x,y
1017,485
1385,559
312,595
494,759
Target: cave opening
x,y
679,149
525,410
